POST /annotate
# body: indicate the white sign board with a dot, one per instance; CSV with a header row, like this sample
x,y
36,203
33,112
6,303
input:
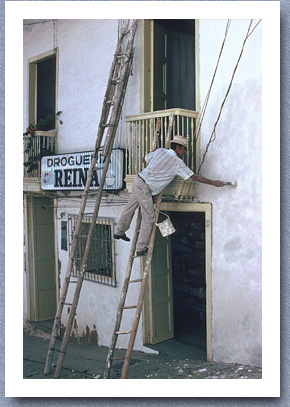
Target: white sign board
x,y
70,171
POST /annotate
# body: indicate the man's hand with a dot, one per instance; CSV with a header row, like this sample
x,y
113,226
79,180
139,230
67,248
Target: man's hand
x,y
219,184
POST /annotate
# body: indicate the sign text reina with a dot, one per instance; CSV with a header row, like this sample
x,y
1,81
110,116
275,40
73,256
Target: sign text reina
x,y
70,171
76,175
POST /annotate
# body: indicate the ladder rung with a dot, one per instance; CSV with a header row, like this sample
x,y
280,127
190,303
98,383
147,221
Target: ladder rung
x,y
115,80
67,303
117,358
110,102
122,332
73,281
129,306
108,125
138,280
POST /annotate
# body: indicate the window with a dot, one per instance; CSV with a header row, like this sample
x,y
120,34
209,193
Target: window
x,y
100,263
174,64
42,112
42,90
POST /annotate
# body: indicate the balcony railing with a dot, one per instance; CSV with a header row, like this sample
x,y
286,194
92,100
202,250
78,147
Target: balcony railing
x,y
140,131
34,147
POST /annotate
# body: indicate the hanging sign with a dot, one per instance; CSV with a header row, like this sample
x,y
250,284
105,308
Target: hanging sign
x,y
70,171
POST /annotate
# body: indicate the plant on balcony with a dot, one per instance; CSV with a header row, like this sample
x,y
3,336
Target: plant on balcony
x,y
34,157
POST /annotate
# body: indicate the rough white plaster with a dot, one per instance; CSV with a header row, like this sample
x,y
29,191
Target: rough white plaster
x,y
234,155
98,303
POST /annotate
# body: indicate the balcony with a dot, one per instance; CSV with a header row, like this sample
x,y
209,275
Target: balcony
x,y
34,148
140,131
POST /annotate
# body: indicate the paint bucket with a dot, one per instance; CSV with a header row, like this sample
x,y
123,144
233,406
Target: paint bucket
x,y
166,228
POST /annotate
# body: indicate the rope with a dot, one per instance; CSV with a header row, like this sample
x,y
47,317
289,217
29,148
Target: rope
x,y
212,81
213,134
203,110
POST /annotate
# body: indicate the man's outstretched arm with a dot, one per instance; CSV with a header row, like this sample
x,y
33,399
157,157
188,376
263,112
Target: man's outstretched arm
x,y
203,180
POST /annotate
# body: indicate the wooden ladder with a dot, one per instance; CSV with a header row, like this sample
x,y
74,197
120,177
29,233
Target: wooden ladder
x,y
111,111
127,282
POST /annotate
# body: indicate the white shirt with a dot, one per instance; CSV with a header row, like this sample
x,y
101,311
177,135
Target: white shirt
x,y
163,166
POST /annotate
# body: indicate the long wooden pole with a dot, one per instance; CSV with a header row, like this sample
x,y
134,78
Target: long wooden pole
x,y
128,273
142,291
147,261
104,116
122,298
115,115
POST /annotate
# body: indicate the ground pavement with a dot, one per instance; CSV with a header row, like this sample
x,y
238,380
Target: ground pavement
x,y
176,360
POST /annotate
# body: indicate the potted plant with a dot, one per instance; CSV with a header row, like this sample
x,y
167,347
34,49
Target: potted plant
x,y
34,156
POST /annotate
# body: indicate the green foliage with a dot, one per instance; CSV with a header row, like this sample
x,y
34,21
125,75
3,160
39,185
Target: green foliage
x,y
42,125
33,160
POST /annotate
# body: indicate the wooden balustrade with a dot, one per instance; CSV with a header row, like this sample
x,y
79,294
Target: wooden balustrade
x,y
34,147
139,136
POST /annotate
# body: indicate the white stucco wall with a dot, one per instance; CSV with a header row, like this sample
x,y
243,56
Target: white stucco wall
x,y
98,303
86,50
235,155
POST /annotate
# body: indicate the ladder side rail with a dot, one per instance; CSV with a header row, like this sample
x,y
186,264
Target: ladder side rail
x,y
105,112
82,273
142,291
128,273
156,134
124,77
110,136
122,298
110,90
64,291
69,268
148,258
168,136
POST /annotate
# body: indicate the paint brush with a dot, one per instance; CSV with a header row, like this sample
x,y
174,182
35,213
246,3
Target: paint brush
x,y
234,184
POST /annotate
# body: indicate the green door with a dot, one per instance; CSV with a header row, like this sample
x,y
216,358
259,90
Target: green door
x,y
160,291
44,260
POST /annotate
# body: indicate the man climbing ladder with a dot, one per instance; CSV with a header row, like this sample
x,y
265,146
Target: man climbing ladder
x,y
163,166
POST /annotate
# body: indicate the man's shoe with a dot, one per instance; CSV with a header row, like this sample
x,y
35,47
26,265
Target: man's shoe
x,y
123,237
142,252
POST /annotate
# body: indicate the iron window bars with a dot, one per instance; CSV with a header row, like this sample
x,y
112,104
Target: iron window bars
x,y
100,264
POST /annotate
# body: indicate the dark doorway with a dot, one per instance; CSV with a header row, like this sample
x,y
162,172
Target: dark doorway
x,y
46,84
174,64
188,278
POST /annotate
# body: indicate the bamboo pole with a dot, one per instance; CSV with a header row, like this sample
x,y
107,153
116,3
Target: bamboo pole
x,y
156,134
114,119
64,291
142,291
169,130
122,298
147,267
128,273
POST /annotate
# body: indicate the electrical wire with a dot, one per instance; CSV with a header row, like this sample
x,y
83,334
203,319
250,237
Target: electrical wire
x,y
213,134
